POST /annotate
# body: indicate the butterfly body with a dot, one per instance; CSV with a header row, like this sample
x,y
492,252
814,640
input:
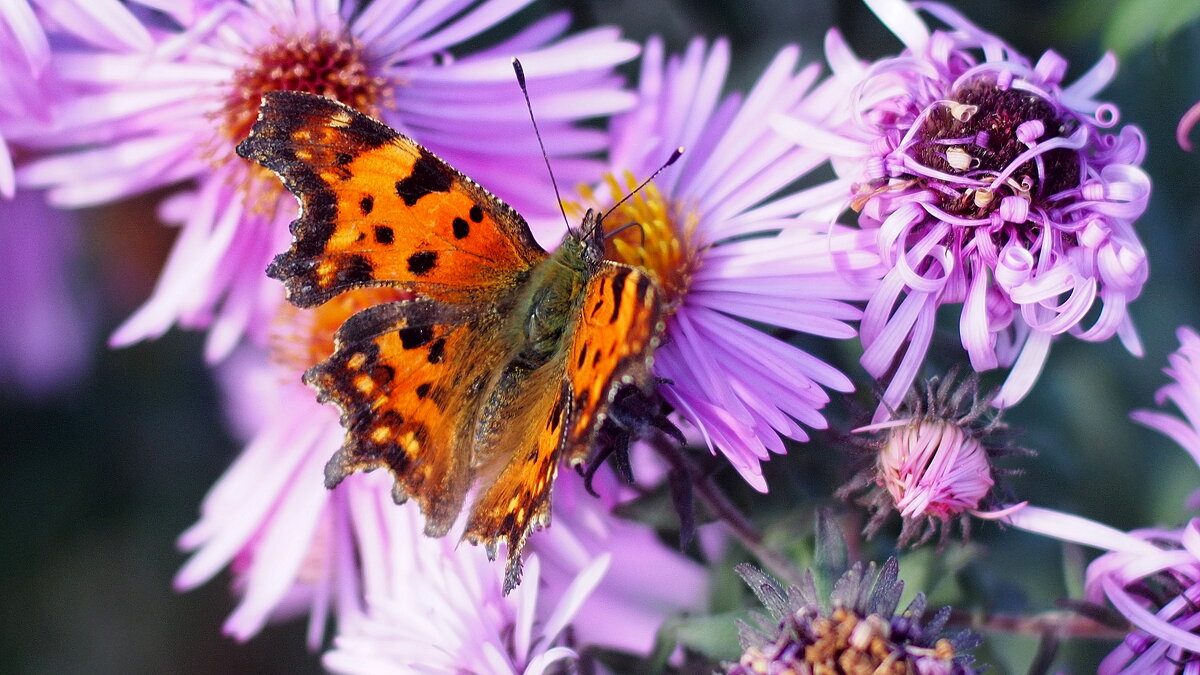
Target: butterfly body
x,y
507,358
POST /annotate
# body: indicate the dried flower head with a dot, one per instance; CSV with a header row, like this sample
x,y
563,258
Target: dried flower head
x,y
857,633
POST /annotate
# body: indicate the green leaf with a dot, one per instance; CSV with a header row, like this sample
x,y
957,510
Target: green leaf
x,y
713,636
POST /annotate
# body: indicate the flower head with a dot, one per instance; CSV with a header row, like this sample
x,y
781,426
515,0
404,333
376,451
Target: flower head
x,y
858,631
175,114
988,182
717,229
933,463
1158,590
432,606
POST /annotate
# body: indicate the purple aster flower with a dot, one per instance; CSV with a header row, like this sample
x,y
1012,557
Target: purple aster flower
x,y
987,182
858,631
269,518
1151,577
175,114
933,462
26,93
295,547
646,582
433,606
718,230
44,344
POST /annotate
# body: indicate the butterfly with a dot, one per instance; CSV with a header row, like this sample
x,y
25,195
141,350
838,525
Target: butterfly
x,y
506,360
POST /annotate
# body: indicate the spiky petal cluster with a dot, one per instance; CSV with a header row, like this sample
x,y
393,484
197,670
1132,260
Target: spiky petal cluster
x,y
933,463
857,632
991,183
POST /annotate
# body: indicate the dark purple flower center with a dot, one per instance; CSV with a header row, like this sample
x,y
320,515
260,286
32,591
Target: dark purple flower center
x,y
327,64
981,134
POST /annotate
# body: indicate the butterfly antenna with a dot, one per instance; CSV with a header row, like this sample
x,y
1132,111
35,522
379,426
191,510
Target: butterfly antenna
x,y
525,91
670,160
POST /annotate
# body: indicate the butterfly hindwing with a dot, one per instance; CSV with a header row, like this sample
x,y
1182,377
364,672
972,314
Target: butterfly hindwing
x,y
397,376
518,480
559,407
377,208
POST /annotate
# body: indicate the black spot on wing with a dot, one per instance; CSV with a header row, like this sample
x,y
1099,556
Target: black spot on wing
x,y
461,227
384,234
423,389
421,262
476,214
428,176
367,205
437,350
415,336
556,415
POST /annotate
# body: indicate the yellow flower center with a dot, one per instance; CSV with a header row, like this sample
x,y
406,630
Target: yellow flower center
x,y
652,233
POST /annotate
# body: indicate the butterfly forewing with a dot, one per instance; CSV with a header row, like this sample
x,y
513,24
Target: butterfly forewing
x,y
377,208
619,327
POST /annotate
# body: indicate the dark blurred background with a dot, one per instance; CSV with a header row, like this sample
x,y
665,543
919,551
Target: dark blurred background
x,y
104,472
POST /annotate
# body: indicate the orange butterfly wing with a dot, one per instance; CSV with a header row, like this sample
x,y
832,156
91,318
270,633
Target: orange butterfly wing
x,y
377,208
620,326
408,377
617,325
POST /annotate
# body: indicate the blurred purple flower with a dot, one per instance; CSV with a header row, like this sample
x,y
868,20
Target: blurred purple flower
x,y
45,339
26,93
989,183
144,121
718,229
295,547
434,606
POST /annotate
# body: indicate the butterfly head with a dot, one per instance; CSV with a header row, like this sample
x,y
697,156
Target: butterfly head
x,y
586,245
